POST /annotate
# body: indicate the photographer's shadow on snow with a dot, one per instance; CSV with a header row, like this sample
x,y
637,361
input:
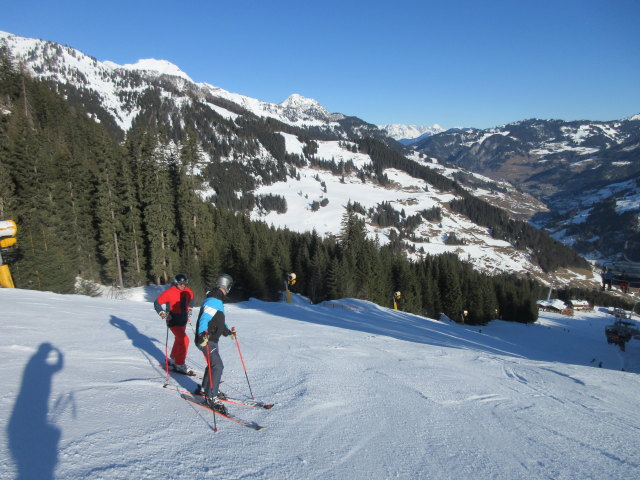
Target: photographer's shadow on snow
x,y
33,441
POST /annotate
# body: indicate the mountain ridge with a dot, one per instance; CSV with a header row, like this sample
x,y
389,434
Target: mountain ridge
x,y
572,166
318,146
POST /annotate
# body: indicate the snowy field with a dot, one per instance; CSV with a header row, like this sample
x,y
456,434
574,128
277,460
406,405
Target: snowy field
x,y
361,392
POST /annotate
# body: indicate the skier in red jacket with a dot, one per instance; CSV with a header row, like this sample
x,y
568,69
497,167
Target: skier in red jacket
x,y
178,300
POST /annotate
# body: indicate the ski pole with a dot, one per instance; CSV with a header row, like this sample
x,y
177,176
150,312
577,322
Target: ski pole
x,y
166,354
235,335
194,331
215,424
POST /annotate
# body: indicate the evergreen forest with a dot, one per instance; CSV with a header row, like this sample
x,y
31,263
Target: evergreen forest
x,y
130,212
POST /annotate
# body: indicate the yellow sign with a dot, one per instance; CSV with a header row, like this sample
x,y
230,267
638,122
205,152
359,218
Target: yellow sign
x,y
7,242
5,277
8,228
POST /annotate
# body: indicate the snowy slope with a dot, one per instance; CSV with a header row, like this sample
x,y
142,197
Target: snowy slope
x,y
361,391
405,193
154,67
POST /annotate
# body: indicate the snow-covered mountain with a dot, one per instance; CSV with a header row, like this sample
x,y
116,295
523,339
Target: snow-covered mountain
x,y
153,67
408,134
579,169
118,89
318,162
297,105
360,392
538,154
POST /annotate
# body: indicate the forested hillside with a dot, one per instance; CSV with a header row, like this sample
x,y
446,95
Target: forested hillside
x,y
133,213
257,157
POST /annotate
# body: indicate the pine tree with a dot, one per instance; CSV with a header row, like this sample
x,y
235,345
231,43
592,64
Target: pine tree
x,y
7,188
333,280
131,239
450,291
317,272
157,200
110,226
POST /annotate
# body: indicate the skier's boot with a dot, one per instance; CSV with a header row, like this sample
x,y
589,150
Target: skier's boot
x,y
215,404
181,368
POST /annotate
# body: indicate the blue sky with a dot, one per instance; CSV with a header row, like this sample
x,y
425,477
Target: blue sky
x,y
456,63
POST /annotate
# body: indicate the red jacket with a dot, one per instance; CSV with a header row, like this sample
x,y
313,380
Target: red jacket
x,y
176,301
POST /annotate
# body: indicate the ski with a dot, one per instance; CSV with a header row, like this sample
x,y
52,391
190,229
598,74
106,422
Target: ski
x,y
233,418
190,373
247,403
235,401
241,402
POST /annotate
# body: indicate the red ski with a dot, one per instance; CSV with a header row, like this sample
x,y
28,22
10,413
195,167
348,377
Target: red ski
x,y
235,401
233,418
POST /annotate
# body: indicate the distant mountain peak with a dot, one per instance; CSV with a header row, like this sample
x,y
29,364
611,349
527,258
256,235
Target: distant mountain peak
x,y
296,100
296,104
162,67
401,132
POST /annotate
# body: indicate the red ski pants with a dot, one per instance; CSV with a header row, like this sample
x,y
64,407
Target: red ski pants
x,y
180,345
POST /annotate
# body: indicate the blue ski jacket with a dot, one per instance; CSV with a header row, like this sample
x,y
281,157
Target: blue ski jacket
x,y
211,317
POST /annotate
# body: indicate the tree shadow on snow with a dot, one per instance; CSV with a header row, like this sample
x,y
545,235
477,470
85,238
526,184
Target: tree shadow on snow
x,y
33,441
531,341
369,318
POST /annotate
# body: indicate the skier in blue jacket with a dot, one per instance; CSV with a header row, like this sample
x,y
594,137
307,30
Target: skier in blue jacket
x,y
210,326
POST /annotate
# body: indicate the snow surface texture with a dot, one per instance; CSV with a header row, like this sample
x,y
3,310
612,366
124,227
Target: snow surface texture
x,y
361,392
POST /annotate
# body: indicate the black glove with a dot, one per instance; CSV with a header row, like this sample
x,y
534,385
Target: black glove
x,y
165,317
226,332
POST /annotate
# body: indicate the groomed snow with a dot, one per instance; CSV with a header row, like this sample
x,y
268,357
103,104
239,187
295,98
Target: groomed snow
x,y
361,392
